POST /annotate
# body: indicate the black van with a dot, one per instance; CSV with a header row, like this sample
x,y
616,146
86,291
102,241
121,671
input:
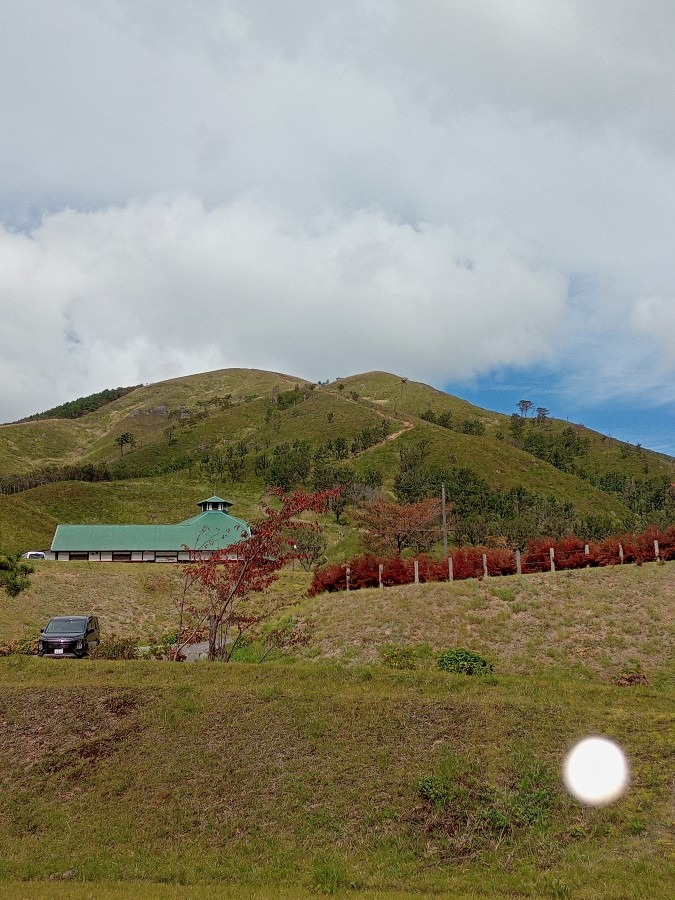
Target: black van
x,y
69,636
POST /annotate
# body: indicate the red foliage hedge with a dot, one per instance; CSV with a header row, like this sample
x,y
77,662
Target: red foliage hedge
x,y
467,562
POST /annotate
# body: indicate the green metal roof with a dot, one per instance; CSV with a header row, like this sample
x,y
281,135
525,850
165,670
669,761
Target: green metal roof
x,y
211,530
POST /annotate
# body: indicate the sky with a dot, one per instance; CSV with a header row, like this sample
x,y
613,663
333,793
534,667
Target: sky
x,y
475,194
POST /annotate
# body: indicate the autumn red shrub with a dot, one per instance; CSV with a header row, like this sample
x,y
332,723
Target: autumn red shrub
x,y
467,562
538,556
396,571
435,570
328,578
569,553
364,572
501,562
667,543
607,553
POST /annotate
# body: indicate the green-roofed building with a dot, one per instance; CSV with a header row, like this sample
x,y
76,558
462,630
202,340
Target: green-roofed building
x,y
212,530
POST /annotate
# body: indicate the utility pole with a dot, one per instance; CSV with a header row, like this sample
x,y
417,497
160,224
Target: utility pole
x,y
445,523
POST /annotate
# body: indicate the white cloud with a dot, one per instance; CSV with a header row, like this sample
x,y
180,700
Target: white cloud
x,y
327,170
160,288
654,317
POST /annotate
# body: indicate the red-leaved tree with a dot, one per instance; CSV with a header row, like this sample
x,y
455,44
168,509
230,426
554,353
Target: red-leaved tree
x,y
392,527
225,592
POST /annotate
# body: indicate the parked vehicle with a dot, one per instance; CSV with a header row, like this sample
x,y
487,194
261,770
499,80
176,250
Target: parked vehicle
x,y
72,636
34,554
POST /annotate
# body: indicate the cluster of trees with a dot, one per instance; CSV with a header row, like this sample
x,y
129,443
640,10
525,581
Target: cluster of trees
x,y
651,500
74,409
342,448
14,484
231,462
296,462
287,399
445,420
525,407
126,439
485,515
559,448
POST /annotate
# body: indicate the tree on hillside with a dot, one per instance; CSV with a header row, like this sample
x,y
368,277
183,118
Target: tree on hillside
x,y
14,573
126,439
310,547
393,527
232,593
524,407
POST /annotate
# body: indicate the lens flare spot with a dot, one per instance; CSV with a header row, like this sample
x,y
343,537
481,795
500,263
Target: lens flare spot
x,y
596,771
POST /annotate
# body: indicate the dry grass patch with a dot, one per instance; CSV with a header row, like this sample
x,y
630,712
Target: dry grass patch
x,y
130,600
597,620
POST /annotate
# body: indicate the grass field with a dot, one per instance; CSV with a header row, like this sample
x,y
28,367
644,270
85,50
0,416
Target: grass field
x,y
594,622
317,778
327,773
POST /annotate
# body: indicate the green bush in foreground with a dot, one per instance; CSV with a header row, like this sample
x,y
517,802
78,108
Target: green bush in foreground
x,y
464,662
14,573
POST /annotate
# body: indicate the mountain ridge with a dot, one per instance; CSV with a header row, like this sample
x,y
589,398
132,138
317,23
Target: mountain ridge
x,y
188,430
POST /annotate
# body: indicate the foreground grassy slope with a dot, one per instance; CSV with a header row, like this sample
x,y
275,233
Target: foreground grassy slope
x,y
597,622
312,777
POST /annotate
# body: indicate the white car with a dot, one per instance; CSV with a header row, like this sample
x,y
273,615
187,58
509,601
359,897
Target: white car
x,y
33,554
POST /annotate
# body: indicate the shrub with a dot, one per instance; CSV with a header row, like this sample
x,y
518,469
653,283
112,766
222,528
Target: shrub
x,y
27,646
395,657
464,662
329,578
116,648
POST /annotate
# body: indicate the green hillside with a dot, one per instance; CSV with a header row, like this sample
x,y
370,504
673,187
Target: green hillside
x,y
147,779
151,454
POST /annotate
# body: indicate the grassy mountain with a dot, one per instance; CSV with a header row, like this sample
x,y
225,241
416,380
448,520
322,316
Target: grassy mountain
x,y
75,409
147,455
326,770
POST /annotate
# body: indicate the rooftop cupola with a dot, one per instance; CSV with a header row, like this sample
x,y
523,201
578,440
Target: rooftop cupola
x,y
214,503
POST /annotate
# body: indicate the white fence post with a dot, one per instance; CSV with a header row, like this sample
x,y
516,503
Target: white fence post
x,y
552,555
380,569
348,574
519,566
621,552
656,549
417,572
451,574
485,568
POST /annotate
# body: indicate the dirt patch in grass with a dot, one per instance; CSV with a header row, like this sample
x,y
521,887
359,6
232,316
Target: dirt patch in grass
x,y
53,729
